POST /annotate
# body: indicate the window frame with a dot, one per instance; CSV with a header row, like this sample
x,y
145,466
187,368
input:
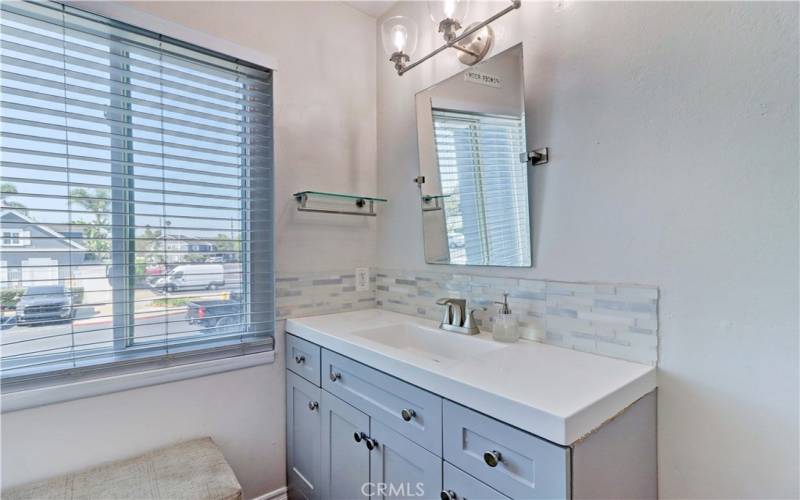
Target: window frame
x,y
221,353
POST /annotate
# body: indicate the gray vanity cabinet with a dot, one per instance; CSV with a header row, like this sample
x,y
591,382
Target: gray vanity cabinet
x,y
354,432
345,455
400,468
302,437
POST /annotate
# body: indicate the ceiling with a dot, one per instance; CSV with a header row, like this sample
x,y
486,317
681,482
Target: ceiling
x,y
372,8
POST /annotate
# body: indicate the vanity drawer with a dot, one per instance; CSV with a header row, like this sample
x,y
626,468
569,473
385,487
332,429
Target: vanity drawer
x,y
525,466
458,485
409,410
302,357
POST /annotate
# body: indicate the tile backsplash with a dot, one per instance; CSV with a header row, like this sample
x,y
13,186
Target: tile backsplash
x,y
309,294
614,320
617,320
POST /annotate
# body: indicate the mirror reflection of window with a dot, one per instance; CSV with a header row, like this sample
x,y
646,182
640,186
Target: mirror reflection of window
x,y
485,184
474,184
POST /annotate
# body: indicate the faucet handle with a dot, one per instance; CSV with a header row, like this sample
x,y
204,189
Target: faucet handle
x,y
455,310
448,310
469,322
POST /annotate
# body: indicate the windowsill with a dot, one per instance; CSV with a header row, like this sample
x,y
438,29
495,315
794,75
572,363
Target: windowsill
x,y
67,392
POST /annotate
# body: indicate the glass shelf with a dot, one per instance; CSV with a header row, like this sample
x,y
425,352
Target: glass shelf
x,y
340,195
365,204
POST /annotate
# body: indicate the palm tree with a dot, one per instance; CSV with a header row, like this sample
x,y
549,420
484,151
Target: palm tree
x,y
6,191
95,232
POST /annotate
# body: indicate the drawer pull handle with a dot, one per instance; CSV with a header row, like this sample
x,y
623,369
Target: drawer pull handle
x,y
492,458
448,495
335,376
299,359
408,414
358,436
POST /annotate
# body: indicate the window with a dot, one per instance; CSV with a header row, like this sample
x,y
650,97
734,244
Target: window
x,y
12,238
143,167
486,187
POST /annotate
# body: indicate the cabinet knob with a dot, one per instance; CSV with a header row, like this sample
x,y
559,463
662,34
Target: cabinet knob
x,y
299,359
448,495
335,376
371,443
359,436
408,414
492,458
313,405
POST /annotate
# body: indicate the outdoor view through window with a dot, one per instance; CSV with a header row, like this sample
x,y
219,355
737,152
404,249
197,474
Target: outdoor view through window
x,y
136,194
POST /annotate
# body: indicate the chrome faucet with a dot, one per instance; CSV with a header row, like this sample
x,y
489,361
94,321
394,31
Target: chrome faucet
x,y
457,318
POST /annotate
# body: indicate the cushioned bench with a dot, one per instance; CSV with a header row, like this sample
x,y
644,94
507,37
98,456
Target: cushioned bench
x,y
192,470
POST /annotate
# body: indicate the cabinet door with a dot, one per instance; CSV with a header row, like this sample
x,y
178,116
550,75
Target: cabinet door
x,y
303,437
345,461
400,468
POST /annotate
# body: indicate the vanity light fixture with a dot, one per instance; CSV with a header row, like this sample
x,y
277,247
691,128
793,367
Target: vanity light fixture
x,y
449,14
399,34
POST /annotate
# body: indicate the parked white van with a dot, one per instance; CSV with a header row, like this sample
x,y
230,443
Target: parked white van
x,y
192,276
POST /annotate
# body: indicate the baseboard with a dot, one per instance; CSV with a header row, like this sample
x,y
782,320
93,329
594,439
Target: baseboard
x,y
279,494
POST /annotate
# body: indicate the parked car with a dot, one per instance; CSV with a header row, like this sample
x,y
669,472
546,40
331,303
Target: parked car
x,y
45,303
192,276
154,269
456,240
219,314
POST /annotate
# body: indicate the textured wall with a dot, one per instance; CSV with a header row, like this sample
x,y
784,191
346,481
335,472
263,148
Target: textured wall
x,y
673,131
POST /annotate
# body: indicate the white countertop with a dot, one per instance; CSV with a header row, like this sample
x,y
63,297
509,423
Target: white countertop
x,y
556,393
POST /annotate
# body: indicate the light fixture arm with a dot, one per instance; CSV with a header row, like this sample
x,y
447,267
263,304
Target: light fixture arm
x,y
515,4
466,51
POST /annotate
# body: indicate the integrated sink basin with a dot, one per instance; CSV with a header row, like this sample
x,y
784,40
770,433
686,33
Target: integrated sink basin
x,y
430,343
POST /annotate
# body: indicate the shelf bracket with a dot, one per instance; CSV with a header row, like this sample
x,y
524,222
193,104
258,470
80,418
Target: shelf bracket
x,y
427,200
536,157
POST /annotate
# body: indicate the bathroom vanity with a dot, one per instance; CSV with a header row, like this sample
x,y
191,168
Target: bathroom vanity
x,y
383,404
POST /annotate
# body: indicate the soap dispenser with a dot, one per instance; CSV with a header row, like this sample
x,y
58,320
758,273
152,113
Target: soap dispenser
x,y
505,325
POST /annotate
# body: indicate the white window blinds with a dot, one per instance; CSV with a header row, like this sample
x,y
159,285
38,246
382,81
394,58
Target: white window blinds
x,y
140,170
486,187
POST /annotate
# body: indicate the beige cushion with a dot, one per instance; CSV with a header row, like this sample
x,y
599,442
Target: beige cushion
x,y
192,470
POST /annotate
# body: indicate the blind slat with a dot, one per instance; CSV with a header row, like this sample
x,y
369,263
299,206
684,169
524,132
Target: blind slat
x,y
253,129
103,32
105,88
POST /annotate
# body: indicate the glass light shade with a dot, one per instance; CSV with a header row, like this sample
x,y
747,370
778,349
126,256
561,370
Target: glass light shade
x,y
448,9
399,34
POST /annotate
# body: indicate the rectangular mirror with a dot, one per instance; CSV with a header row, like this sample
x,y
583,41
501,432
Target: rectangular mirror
x,y
474,182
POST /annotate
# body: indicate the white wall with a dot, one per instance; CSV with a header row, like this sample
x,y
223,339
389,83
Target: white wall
x,y
236,409
673,130
326,139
